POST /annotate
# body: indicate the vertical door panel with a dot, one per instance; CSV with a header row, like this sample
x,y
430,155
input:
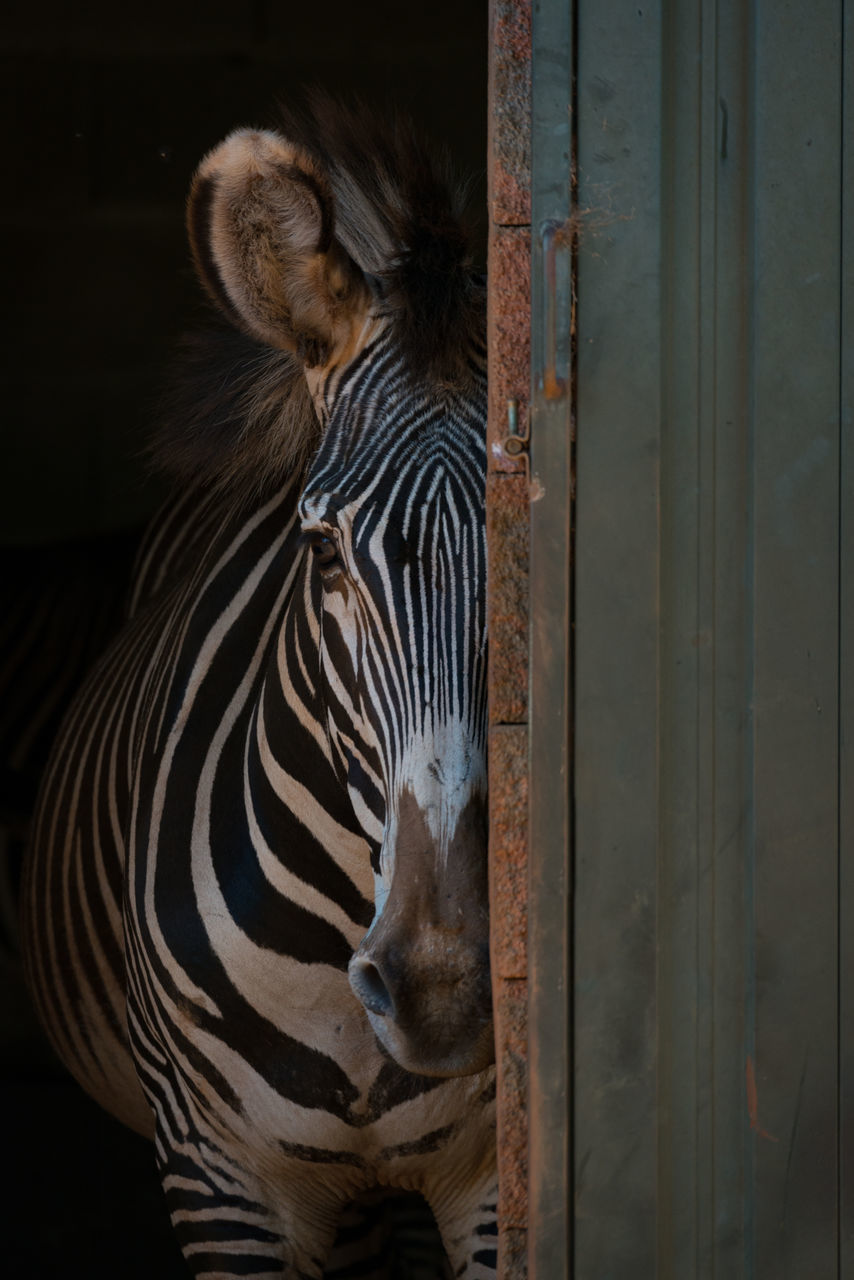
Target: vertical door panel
x,y
616,636
712,784
793,1039
549,918
846,669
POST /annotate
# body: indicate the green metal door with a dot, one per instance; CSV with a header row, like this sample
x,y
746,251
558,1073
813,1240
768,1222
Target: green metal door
x,y
705,1124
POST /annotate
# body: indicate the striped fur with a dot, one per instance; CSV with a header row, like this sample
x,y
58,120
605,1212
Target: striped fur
x,y
256,906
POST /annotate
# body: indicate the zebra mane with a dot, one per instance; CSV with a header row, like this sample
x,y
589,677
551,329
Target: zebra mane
x,y
235,413
237,410
400,214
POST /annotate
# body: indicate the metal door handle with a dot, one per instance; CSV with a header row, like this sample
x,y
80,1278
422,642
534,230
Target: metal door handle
x,y
554,237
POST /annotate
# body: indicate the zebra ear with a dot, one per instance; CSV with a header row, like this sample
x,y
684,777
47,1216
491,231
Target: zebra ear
x,y
261,219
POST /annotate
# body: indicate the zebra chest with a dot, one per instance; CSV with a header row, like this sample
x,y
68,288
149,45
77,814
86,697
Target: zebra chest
x,y
265,1041
277,1060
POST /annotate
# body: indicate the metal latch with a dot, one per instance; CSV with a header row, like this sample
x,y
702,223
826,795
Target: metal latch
x,y
517,442
555,236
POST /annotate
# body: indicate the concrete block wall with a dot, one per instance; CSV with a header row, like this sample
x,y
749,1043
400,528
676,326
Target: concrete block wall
x,y
107,109
507,532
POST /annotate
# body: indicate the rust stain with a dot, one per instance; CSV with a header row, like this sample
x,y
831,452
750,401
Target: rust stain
x,y
753,1101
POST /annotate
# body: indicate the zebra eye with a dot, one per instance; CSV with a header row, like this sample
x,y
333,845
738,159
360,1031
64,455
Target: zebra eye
x,y
325,552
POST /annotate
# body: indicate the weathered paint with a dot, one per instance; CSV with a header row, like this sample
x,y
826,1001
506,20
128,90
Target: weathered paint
x,y
712,782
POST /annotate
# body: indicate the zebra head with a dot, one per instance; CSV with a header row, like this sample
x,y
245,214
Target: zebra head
x,y
362,273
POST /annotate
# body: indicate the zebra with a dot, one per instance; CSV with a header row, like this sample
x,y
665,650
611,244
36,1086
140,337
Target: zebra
x,y
255,913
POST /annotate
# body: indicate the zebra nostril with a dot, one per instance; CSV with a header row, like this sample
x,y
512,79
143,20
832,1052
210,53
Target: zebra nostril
x,y
367,982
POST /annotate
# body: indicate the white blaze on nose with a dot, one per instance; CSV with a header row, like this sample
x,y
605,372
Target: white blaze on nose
x,y
442,769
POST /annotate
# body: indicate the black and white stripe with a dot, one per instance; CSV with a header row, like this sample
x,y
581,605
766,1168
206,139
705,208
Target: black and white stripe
x,y
256,902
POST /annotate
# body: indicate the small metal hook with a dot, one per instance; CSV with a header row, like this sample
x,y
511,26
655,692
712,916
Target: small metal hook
x,y
516,443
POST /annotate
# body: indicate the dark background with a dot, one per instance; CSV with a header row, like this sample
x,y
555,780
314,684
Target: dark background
x,y
106,110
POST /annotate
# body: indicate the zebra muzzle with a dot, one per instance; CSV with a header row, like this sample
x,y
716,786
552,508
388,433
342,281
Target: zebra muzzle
x,y
422,971
428,1004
